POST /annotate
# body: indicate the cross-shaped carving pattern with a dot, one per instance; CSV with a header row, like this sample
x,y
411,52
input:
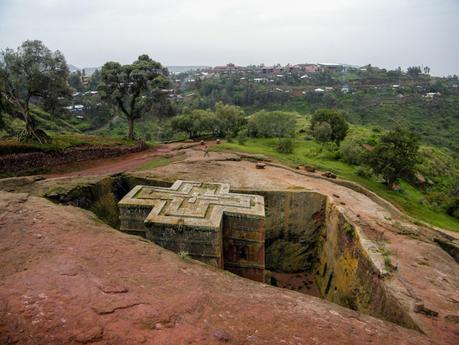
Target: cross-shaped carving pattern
x,y
193,203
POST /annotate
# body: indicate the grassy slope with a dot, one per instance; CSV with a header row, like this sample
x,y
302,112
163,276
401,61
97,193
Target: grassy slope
x,y
311,153
436,122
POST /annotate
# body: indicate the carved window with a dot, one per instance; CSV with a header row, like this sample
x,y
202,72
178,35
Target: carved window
x,y
244,252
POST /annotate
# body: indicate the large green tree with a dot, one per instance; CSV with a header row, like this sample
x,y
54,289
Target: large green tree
x,y
75,81
94,81
229,119
134,88
272,124
395,155
32,73
195,123
336,122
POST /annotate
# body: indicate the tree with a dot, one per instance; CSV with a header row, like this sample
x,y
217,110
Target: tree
x,y
323,132
133,88
413,71
335,120
395,155
272,124
230,119
94,81
351,150
196,123
284,145
75,81
32,73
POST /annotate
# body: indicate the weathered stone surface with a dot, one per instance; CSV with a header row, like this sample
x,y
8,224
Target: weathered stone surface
x,y
222,335
350,272
188,301
292,226
217,227
451,247
421,308
329,174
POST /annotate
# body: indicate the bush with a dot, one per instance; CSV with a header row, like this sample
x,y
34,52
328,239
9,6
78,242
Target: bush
x,y
229,119
183,255
322,132
284,145
335,120
364,172
196,123
242,137
351,151
272,124
395,155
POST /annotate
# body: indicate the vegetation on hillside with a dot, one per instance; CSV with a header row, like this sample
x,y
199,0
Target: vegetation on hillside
x,y
32,73
380,128
433,198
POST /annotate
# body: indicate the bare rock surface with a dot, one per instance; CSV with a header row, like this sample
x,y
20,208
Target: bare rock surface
x,y
422,272
108,288
82,282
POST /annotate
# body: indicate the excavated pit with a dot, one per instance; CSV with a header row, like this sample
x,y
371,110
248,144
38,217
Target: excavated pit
x,y
310,246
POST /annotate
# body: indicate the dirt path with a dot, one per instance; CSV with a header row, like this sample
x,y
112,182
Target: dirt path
x,y
110,165
123,163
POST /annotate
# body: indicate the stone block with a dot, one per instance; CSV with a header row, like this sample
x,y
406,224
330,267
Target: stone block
x,y
215,226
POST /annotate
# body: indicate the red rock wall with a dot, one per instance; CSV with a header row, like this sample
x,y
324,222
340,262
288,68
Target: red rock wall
x,y
15,163
244,246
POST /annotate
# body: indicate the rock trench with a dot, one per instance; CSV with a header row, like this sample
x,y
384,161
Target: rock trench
x,y
310,245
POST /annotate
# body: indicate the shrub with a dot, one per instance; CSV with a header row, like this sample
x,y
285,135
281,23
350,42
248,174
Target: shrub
x,y
284,145
336,121
322,132
196,123
364,172
183,254
242,137
395,155
272,124
351,151
229,119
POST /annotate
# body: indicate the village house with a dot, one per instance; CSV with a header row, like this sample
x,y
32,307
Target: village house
x,y
309,68
331,67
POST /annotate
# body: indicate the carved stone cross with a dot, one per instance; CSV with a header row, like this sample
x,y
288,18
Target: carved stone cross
x,y
204,219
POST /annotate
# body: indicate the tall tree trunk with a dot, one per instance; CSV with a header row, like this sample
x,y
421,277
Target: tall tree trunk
x,y
31,132
131,129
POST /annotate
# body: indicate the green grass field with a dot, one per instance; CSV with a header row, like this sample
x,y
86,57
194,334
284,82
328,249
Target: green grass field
x,y
311,153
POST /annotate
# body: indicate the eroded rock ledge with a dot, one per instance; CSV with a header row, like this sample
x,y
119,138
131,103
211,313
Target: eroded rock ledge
x,y
58,262
350,262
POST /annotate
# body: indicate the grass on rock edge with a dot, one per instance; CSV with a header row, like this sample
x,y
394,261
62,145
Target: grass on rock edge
x,y
311,153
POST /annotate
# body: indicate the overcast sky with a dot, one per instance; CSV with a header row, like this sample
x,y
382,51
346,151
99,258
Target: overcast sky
x,y
387,33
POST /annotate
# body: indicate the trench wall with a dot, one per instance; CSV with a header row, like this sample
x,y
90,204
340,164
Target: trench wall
x,y
292,227
346,274
304,233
